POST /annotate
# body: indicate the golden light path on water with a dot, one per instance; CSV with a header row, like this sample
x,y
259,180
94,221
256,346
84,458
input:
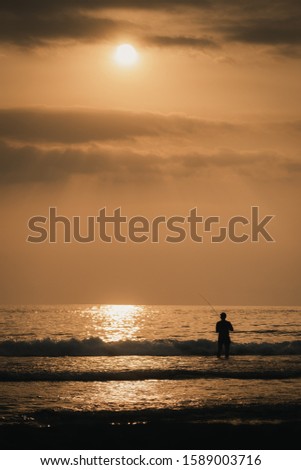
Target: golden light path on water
x,y
116,322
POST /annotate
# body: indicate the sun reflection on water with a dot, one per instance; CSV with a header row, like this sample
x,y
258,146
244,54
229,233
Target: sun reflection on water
x,y
115,322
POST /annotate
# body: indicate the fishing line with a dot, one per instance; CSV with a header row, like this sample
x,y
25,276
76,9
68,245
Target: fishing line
x,y
207,301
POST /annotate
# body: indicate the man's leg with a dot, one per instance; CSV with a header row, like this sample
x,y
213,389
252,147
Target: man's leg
x,y
219,348
227,349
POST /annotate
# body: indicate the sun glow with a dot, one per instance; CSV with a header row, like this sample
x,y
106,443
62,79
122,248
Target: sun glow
x,y
115,322
126,55
121,310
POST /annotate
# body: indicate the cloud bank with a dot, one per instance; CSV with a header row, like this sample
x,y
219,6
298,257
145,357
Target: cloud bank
x,y
196,24
53,144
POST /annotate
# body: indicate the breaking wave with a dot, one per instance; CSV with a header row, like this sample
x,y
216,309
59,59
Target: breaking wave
x,y
96,347
145,374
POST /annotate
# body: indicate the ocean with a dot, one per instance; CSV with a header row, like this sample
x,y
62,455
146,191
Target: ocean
x,y
138,364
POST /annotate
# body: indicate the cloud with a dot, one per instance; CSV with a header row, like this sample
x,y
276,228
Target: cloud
x,y
54,144
181,41
35,23
80,125
30,164
36,31
70,127
269,31
48,6
192,23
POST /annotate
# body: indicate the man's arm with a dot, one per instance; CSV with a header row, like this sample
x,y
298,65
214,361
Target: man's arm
x,y
231,327
217,327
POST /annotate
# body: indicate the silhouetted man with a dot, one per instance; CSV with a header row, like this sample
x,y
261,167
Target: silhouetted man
x,y
222,328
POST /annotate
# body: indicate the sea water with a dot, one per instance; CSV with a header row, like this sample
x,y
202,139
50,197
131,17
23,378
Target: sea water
x,y
137,363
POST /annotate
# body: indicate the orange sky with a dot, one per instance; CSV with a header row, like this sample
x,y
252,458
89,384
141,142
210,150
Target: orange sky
x,y
209,117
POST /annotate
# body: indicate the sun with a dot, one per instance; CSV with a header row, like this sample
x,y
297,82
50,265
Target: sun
x,y
126,55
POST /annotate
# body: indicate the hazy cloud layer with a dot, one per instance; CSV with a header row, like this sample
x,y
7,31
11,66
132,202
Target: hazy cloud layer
x,y
181,41
79,125
30,164
215,22
265,31
33,31
48,6
52,144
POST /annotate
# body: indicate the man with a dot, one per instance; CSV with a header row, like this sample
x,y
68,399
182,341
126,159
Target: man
x,y
222,328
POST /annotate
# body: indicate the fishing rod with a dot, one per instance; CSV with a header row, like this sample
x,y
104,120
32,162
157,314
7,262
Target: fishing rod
x,y
207,301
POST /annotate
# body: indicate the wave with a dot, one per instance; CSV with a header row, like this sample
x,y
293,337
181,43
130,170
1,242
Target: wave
x,y
96,347
230,412
145,374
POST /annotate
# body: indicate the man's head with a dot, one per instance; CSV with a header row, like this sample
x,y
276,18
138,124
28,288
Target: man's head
x,y
223,315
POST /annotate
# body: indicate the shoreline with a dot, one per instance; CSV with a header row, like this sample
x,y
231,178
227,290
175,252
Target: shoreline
x,y
151,435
